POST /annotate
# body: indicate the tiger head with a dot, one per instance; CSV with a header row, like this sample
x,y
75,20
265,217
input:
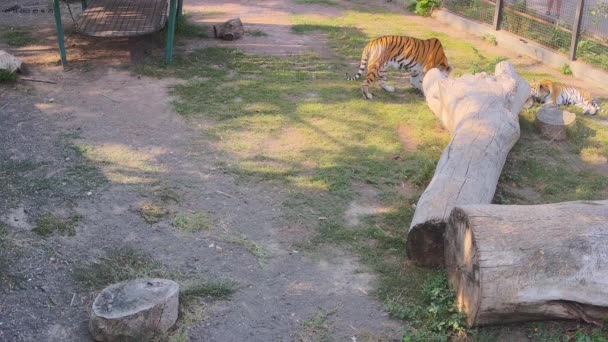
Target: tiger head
x,y
540,90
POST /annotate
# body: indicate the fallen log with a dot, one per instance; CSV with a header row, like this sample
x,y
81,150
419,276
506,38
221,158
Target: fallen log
x,y
511,263
481,112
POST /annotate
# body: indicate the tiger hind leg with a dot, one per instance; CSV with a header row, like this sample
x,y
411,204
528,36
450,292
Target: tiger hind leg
x,y
383,79
369,79
588,108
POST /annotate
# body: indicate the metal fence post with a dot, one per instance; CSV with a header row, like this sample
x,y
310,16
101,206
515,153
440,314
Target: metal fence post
x,y
576,29
498,14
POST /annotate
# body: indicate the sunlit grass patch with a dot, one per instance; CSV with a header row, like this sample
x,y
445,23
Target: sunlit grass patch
x,y
123,164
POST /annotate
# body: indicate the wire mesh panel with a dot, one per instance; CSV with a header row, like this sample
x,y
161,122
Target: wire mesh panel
x,y
479,10
548,22
593,41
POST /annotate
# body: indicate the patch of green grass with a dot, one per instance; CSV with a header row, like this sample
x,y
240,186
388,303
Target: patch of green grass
x,y
565,69
201,287
192,222
49,224
491,39
261,253
437,315
553,171
187,29
318,2
17,37
256,33
119,264
484,64
316,328
7,76
153,212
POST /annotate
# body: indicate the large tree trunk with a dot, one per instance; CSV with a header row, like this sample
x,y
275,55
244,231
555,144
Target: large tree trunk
x,y
512,263
481,112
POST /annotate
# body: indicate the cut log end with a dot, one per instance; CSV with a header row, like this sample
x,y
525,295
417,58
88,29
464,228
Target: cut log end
x,y
519,263
461,258
425,243
552,122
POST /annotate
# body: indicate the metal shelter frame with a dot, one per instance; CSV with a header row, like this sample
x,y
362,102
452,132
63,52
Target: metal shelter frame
x,y
174,13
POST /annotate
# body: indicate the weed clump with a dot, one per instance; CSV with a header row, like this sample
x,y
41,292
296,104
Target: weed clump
x,y
192,222
49,224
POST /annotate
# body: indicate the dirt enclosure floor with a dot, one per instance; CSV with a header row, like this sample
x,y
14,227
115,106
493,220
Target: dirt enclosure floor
x,y
104,145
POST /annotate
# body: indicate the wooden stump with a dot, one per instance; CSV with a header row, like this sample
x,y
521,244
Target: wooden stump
x,y
230,30
511,263
552,122
134,310
481,112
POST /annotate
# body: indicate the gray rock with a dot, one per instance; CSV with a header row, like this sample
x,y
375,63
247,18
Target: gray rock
x,y
134,310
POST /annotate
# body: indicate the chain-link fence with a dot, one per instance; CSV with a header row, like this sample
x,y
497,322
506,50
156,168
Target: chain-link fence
x,y
479,10
552,23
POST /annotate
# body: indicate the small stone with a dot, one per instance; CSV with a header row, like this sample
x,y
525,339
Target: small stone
x,y
89,193
51,100
218,248
211,245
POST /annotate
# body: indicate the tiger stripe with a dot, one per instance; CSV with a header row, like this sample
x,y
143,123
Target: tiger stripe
x,y
416,56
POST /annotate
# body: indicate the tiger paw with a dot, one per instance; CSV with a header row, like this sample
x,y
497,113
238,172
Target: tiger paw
x,y
388,88
367,96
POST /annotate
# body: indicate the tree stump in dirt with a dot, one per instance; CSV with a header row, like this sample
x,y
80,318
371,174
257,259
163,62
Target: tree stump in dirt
x,y
552,122
511,263
9,62
481,112
134,310
230,30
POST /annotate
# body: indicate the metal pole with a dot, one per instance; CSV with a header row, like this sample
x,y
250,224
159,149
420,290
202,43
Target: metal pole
x,y
59,26
498,14
180,12
576,29
170,32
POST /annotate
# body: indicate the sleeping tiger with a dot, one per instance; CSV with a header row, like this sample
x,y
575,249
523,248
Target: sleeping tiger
x,y
417,56
548,92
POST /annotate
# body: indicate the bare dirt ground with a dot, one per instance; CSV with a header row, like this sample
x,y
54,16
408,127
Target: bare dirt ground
x,y
149,148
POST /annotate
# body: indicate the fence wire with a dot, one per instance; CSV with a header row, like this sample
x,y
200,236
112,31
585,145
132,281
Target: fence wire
x,y
593,42
479,10
548,22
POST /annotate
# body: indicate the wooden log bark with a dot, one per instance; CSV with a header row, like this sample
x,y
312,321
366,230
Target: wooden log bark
x,y
511,263
552,122
230,30
481,112
137,310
